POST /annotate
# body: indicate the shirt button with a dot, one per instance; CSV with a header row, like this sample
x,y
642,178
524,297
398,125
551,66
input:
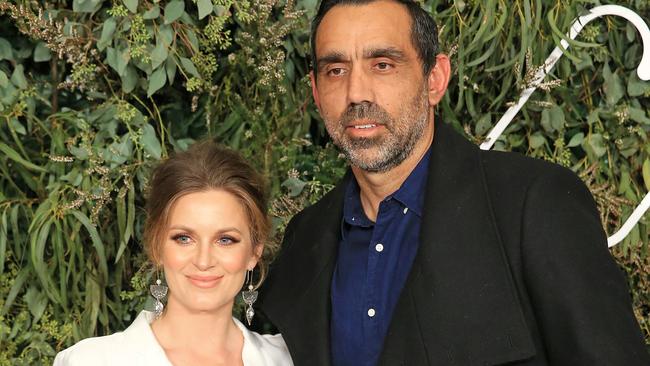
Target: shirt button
x,y
379,247
371,312
406,209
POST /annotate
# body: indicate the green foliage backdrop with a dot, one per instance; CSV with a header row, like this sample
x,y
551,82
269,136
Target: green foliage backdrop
x,y
94,92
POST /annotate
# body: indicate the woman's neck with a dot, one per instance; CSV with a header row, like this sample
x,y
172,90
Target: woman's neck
x,y
187,335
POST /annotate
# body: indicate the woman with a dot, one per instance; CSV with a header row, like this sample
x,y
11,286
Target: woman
x,y
207,230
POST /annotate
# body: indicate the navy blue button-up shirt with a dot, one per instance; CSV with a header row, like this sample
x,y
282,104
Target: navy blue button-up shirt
x,y
374,259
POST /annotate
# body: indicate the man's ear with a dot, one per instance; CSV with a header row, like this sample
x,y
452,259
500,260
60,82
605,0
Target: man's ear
x,y
438,79
314,91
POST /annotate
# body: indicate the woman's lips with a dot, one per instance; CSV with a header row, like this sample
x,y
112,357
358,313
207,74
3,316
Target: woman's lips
x,y
204,281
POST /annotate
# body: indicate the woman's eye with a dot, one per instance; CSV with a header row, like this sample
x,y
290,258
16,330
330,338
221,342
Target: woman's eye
x,y
182,239
226,240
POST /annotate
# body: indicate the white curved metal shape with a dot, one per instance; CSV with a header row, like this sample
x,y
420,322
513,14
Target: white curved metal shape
x,y
643,71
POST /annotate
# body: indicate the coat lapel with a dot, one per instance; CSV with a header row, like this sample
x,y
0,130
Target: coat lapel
x,y
459,305
296,296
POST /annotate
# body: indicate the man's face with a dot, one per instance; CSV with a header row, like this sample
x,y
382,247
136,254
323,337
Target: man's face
x,y
370,88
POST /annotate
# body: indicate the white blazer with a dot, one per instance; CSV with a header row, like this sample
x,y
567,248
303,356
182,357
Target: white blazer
x,y
137,346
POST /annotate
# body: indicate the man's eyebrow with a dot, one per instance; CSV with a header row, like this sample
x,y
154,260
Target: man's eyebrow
x,y
330,58
389,52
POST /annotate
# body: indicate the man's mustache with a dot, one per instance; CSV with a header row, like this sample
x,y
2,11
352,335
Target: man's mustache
x,y
368,111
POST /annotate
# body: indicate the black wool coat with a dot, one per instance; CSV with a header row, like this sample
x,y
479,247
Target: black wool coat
x,y
512,269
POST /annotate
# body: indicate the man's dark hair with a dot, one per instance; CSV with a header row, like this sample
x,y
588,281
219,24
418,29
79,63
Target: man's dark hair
x,y
424,32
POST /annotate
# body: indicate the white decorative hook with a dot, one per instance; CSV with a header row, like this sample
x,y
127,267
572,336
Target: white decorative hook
x,y
643,71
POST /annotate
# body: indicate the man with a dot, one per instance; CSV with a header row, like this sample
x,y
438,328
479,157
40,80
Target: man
x,y
431,251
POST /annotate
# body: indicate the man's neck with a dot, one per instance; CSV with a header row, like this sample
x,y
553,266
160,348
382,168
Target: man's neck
x,y
374,187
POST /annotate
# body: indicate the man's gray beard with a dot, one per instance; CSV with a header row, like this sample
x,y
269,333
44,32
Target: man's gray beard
x,y
395,147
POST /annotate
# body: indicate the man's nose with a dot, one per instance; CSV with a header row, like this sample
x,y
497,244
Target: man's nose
x,y
204,256
359,87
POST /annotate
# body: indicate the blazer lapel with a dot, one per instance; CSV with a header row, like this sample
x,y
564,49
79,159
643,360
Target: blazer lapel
x,y
459,305
296,297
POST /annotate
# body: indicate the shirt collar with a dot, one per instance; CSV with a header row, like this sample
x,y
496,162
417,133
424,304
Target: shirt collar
x,y
410,194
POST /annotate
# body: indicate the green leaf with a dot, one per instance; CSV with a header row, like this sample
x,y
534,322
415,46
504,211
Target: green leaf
x,y
17,126
152,13
17,285
42,53
96,240
123,59
4,80
13,155
638,115
483,125
189,67
635,86
132,5
536,140
3,240
36,302
130,79
18,77
85,6
613,86
166,35
576,140
646,174
170,68
150,142
108,29
205,8
595,145
158,55
294,185
6,52
156,81
174,10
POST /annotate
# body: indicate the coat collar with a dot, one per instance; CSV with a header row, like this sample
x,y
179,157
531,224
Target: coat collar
x,y
459,305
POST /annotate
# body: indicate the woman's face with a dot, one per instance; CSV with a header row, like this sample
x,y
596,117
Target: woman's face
x,y
207,251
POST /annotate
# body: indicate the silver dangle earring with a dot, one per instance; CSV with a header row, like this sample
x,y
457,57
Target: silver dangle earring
x,y
158,291
249,296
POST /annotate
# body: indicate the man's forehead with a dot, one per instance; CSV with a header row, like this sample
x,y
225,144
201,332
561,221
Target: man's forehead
x,y
379,24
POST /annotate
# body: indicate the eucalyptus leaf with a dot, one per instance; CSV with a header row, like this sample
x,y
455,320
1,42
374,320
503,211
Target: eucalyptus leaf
x,y
150,142
536,140
17,126
156,81
174,10
18,77
86,6
595,145
132,5
483,125
613,86
6,52
205,8
158,55
294,185
108,29
188,65
646,173
129,79
170,68
576,140
635,86
4,80
42,53
152,13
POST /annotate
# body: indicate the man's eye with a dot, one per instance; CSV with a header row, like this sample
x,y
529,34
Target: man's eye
x,y
337,71
383,66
